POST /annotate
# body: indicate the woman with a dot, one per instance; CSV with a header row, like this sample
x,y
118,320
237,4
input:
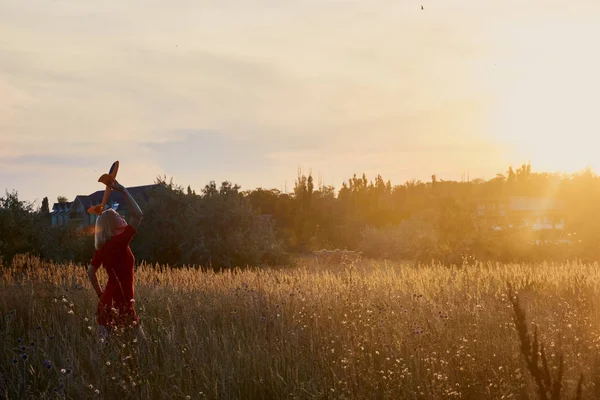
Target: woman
x,y
112,237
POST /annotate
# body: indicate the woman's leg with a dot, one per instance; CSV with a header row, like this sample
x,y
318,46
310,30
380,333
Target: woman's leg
x,y
104,314
140,335
103,333
142,340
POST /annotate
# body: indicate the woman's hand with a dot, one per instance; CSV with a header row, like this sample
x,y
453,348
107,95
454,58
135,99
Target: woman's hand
x,y
94,280
115,185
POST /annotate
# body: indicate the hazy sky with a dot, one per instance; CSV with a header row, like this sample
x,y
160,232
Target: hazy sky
x,y
249,90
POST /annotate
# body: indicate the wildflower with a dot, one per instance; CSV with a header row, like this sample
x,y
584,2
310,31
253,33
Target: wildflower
x,y
108,363
63,371
47,364
24,357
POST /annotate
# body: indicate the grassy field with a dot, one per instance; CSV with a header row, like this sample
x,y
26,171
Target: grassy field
x,y
364,330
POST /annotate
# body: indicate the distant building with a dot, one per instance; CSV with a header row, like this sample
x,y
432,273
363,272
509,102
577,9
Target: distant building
x,y
60,213
538,213
75,212
535,213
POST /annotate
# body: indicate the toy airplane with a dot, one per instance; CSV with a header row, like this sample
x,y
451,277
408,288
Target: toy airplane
x,y
107,179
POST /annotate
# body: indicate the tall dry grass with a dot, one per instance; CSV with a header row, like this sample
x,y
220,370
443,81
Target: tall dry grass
x,y
368,330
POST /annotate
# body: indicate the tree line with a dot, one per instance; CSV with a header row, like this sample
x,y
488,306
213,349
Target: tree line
x,y
417,221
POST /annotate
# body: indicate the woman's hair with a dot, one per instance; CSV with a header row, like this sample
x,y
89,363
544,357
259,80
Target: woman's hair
x,y
105,227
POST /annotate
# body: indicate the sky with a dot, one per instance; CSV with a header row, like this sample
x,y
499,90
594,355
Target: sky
x,y
250,91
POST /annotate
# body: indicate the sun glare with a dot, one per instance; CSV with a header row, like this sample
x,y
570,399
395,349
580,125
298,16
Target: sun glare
x,y
544,86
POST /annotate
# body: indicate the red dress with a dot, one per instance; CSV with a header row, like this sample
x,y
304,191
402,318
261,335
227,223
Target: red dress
x,y
115,308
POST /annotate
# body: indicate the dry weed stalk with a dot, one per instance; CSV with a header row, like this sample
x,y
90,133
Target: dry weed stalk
x,y
549,388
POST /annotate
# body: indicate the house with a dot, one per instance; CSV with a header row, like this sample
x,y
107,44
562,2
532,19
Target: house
x,y
535,213
75,212
60,213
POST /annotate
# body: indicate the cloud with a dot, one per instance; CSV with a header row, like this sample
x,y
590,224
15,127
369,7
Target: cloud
x,y
249,91
46,160
197,156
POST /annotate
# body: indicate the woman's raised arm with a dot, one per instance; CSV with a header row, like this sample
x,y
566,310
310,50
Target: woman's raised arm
x,y
135,212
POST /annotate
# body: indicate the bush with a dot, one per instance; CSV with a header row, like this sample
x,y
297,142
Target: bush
x,y
411,238
16,226
217,228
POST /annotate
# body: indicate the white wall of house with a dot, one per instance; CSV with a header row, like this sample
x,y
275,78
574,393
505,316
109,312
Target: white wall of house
x,y
539,209
546,222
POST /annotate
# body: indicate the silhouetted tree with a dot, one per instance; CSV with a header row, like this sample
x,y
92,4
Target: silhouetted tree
x,y
45,209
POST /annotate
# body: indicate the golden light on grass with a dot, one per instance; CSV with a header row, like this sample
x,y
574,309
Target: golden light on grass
x,y
347,331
